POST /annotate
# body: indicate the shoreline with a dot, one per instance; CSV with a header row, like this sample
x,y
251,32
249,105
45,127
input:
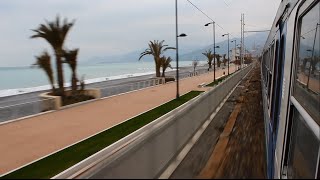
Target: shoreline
x,y
5,93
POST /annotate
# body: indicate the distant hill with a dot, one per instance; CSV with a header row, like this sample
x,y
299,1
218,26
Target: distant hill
x,y
129,57
253,43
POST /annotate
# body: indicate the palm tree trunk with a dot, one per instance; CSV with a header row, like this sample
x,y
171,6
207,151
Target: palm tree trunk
x,y
210,65
60,91
50,77
163,71
53,89
157,70
74,83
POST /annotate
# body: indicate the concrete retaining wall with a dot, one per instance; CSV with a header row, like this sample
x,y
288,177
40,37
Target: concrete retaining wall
x,y
57,102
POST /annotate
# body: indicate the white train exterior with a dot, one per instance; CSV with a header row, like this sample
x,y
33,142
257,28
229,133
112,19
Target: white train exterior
x,y
290,65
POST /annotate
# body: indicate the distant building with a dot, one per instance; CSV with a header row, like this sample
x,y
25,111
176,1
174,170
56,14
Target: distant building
x,y
235,54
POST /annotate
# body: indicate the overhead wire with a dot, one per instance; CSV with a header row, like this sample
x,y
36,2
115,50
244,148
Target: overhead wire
x,y
207,15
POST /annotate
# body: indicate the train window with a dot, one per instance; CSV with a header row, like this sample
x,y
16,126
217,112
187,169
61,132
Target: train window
x,y
270,72
303,155
269,84
272,57
265,69
307,77
276,61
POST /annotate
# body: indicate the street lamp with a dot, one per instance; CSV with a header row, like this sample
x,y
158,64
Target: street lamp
x,y
182,35
177,52
228,50
214,48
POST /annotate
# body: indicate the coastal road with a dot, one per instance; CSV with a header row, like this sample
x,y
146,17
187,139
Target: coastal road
x,y
33,96
23,105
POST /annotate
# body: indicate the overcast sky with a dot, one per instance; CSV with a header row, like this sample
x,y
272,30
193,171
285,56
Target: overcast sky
x,y
113,27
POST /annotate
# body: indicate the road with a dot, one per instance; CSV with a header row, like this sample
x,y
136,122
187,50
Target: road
x,y
18,106
30,97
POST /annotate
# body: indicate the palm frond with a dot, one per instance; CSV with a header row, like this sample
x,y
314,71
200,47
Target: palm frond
x,y
54,32
44,62
71,58
167,48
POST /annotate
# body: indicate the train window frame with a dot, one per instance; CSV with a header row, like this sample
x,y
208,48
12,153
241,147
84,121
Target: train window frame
x,y
303,9
276,60
296,108
270,72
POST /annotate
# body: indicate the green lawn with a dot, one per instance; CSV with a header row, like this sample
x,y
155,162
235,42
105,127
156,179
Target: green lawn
x,y
219,80
58,162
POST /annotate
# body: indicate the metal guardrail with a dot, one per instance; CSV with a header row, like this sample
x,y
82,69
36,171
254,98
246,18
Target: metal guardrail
x,y
191,74
148,151
20,110
118,89
25,109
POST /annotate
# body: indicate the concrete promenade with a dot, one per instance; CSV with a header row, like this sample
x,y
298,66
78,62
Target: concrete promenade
x,y
27,140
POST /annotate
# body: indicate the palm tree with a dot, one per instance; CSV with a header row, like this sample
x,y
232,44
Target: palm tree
x,y
210,57
55,33
218,57
165,63
224,59
44,62
155,49
195,64
71,59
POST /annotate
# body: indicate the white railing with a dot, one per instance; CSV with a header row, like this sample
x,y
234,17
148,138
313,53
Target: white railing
x,y
118,89
25,109
20,110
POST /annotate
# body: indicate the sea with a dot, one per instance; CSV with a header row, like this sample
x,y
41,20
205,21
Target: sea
x,y
20,80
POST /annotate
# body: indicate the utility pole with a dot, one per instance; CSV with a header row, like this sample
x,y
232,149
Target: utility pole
x,y
177,55
240,60
244,47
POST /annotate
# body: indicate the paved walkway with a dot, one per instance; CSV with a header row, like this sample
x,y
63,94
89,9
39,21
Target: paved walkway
x,y
30,139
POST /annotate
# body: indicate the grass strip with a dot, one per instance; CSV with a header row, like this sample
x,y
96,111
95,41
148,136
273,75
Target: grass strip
x,y
62,160
214,83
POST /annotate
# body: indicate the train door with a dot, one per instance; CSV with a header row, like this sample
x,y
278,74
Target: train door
x,y
302,155
278,69
278,79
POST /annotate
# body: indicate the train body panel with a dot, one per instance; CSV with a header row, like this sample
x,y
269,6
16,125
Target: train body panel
x,y
291,91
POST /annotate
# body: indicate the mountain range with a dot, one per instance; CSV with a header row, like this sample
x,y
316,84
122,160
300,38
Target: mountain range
x,y
253,43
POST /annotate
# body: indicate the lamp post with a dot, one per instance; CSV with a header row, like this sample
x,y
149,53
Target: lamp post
x,y
214,48
240,55
228,50
177,50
